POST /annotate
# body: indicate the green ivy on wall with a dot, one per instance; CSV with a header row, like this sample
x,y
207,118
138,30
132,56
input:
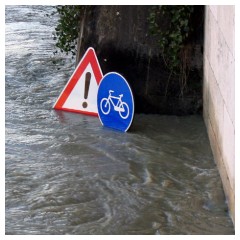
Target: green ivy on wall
x,y
171,38
171,26
68,27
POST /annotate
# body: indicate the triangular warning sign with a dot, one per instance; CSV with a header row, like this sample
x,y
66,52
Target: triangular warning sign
x,y
80,92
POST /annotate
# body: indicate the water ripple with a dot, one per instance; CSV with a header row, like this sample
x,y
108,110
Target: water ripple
x,y
66,174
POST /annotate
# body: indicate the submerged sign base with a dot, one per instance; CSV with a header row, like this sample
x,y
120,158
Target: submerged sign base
x,y
115,102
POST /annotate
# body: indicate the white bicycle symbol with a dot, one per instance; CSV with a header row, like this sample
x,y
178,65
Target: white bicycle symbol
x,y
121,107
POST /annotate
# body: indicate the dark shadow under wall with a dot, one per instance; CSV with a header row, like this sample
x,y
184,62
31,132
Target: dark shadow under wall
x,y
120,36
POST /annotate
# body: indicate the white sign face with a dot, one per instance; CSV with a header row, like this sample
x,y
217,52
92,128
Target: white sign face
x,y
80,93
83,97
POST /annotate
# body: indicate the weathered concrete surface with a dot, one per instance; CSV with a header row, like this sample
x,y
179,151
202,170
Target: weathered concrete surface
x,y
219,93
121,38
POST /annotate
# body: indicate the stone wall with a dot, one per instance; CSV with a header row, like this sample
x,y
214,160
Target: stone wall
x,y
219,93
121,38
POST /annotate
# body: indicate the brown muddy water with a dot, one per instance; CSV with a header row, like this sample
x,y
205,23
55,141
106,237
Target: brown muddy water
x,y
66,174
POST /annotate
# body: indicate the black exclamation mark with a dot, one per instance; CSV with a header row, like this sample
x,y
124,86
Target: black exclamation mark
x,y
87,83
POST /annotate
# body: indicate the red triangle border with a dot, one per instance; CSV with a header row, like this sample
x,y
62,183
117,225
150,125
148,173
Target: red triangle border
x,y
89,57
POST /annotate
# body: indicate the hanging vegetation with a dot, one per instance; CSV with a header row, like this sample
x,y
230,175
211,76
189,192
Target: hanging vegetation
x,y
172,37
68,27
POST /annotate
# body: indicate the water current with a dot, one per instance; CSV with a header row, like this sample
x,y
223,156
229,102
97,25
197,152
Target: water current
x,y
66,174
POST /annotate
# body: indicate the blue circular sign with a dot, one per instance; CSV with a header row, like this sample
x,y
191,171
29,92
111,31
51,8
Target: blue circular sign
x,y
115,102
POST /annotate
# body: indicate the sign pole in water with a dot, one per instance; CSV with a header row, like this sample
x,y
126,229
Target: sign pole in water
x,y
80,93
115,102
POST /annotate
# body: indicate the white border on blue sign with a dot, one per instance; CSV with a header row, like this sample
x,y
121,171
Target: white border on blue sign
x,y
131,95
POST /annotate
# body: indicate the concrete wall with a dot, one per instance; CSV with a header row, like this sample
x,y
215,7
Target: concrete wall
x,y
120,35
219,93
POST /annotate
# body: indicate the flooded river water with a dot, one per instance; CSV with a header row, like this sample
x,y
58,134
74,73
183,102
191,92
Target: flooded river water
x,y
66,174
